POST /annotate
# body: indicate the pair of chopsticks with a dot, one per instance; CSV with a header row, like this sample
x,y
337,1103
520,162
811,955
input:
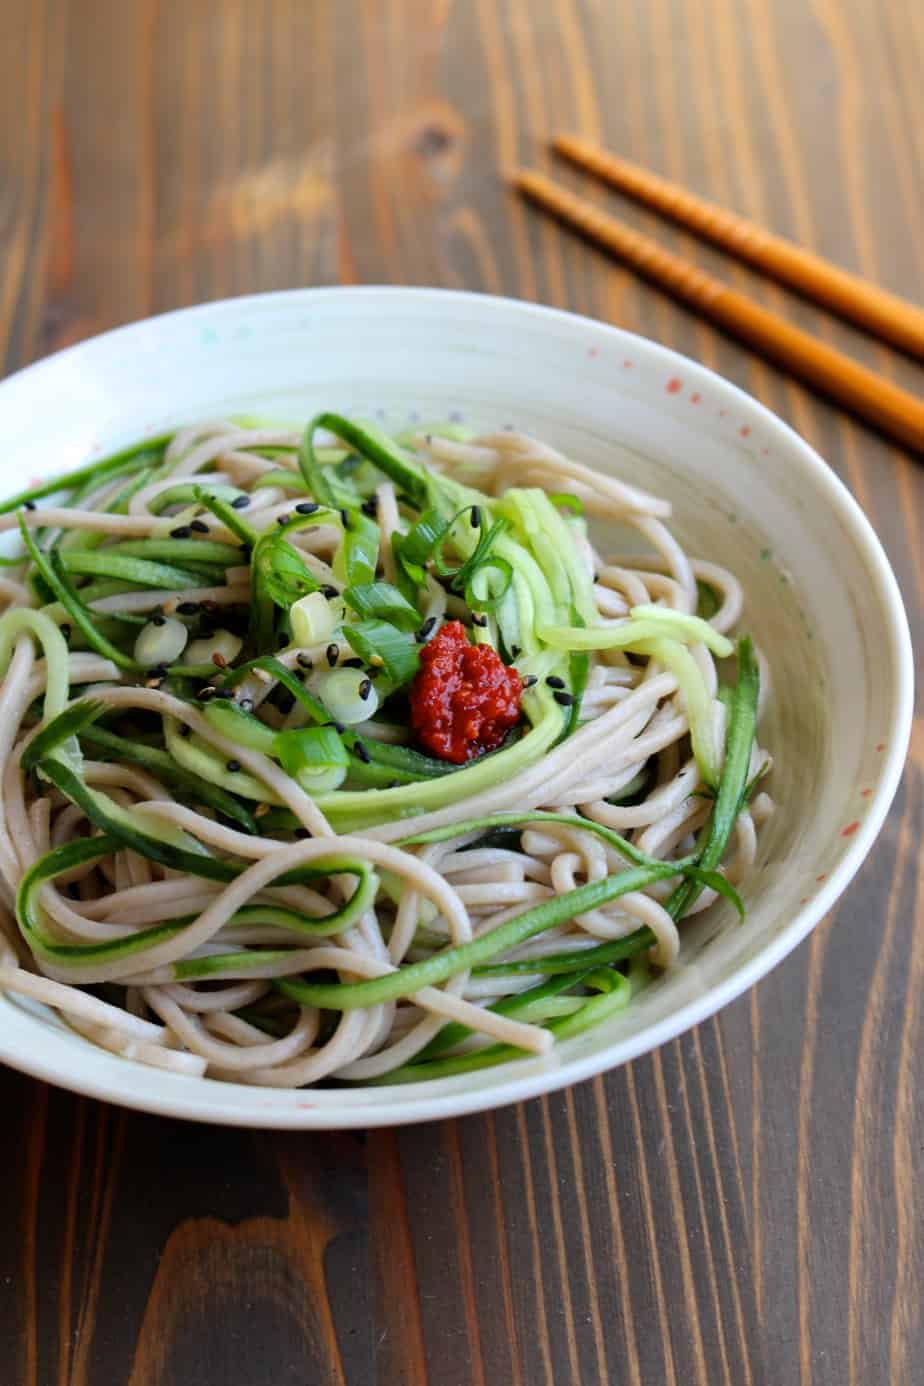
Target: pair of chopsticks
x,y
860,390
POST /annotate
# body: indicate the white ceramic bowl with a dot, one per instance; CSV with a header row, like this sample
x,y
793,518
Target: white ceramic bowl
x,y
821,601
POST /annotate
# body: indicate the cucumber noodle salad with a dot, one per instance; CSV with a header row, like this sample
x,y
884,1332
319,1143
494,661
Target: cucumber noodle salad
x,y
331,756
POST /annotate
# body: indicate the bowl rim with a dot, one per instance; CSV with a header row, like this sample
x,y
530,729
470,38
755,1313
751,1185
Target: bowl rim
x,y
241,1105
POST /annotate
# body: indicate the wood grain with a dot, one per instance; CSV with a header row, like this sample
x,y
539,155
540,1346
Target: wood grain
x,y
744,1207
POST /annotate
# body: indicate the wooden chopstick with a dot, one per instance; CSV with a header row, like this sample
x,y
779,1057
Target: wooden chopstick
x,y
859,390
884,314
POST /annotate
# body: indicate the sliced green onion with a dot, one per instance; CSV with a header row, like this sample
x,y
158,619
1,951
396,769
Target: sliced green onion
x,y
223,643
349,695
314,756
160,642
313,619
385,647
382,601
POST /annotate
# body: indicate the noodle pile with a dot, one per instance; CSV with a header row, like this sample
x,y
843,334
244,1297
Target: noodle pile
x,y
334,948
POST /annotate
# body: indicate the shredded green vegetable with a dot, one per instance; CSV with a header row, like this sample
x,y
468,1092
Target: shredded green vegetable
x,y
300,604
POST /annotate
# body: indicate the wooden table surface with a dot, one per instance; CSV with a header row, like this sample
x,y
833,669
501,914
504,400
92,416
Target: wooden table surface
x,y
743,1206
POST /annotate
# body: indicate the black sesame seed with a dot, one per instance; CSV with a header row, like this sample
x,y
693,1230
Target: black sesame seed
x,y
373,673
188,609
158,620
393,784
199,526
365,688
329,591
478,619
371,507
305,661
307,507
596,577
158,671
530,681
234,766
302,833
73,890
338,727
283,519
181,532
565,699
246,705
475,517
362,753
352,664
185,731
240,503
514,651
426,630
66,630
554,681
333,653
206,693
345,518
30,505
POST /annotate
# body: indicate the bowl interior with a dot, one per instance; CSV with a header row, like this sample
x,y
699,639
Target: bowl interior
x,y
820,600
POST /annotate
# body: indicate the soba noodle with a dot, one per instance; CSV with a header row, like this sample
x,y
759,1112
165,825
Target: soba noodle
x,y
226,846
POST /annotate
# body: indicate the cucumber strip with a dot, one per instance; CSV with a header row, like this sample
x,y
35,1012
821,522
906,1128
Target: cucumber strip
x,y
593,1012
144,572
404,981
54,647
351,810
696,700
514,818
136,457
550,964
376,447
627,634
174,775
54,577
199,551
742,728
455,1032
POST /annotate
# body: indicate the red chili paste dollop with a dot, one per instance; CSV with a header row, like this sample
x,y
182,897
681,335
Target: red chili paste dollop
x,y
464,699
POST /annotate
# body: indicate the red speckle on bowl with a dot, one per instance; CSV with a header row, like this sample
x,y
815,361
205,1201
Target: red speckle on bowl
x,y
36,480
766,452
744,430
822,877
696,398
850,829
674,386
627,365
865,793
804,900
593,351
721,413
881,746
